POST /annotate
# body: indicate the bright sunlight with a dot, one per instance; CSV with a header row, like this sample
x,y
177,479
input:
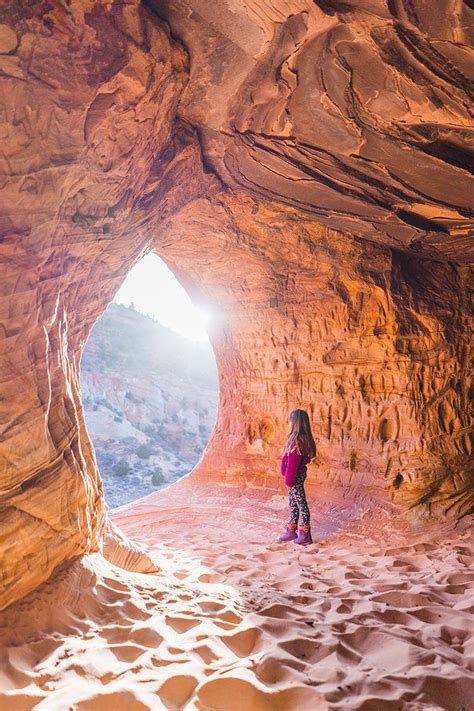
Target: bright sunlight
x,y
154,290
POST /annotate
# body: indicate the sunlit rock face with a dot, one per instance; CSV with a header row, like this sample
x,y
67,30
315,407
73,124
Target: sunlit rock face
x,y
90,93
274,154
357,112
372,342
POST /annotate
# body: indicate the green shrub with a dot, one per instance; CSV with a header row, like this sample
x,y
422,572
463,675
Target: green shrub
x,y
122,468
143,451
157,477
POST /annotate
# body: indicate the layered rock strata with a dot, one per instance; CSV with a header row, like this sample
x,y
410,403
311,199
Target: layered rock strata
x,y
357,113
90,94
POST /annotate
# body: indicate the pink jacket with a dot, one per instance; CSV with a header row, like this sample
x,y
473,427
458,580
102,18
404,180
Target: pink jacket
x,y
292,464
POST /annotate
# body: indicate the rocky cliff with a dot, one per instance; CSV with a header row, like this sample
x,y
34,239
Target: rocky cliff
x,y
302,167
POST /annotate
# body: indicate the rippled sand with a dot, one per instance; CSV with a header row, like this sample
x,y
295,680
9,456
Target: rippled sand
x,y
373,616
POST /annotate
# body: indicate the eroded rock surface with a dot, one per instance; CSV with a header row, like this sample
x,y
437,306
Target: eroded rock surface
x,y
358,113
89,99
274,154
361,336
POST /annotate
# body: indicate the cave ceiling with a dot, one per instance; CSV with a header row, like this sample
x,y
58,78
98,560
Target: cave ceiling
x,y
357,113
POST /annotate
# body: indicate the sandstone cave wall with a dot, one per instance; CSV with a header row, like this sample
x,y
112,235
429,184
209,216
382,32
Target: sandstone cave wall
x,y
89,96
367,339
358,112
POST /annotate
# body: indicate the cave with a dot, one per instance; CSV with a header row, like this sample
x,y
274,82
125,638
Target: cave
x,y
302,167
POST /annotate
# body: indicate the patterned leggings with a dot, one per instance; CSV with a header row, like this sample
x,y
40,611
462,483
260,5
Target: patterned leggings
x,y
297,501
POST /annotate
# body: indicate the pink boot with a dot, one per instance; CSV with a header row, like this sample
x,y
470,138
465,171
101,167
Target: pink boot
x,y
289,534
304,535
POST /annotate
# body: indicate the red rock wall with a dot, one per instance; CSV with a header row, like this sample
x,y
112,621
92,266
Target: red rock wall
x,y
356,112
363,337
89,97
100,162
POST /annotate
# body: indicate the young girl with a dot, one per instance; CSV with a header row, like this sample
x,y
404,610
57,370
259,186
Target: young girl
x,y
299,450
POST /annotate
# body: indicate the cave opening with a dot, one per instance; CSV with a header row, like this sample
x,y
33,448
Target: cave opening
x,y
149,384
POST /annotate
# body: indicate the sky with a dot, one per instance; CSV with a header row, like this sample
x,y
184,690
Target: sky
x,y
155,291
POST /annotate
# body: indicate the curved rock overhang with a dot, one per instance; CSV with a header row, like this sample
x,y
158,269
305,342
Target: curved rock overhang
x,y
300,167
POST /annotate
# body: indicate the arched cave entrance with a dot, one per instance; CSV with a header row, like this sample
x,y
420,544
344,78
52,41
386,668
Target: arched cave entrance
x,y
149,384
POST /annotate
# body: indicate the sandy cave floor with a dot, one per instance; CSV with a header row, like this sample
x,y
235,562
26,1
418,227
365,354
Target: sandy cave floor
x,y
235,621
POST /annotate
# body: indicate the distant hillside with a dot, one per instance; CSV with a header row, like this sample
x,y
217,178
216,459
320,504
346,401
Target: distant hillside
x,y
150,398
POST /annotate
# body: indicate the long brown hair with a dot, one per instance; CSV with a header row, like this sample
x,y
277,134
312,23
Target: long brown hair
x,y
300,436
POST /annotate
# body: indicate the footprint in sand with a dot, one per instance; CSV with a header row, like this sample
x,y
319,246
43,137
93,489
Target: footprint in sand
x,y
278,610
396,598
460,578
133,612
117,634
242,643
146,637
211,606
215,693
270,670
307,650
230,617
206,653
111,700
176,650
391,616
379,649
127,652
344,609
160,662
456,589
181,624
354,576
221,614
176,690
306,600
